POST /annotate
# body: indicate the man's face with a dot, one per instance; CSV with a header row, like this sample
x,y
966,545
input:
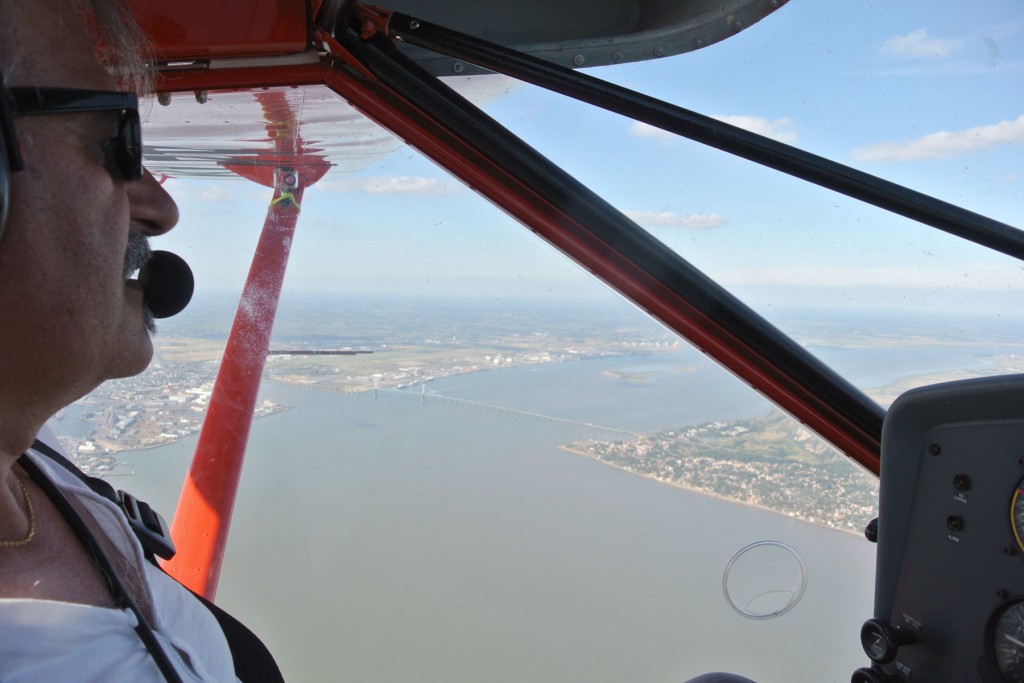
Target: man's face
x,y
70,319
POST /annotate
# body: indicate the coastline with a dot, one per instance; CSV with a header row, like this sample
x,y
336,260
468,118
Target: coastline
x,y
104,463
708,493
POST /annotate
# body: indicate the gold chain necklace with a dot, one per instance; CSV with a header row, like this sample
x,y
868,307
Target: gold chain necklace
x,y
31,522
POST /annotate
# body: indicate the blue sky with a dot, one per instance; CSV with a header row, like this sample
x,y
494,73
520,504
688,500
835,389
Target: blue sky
x,y
925,94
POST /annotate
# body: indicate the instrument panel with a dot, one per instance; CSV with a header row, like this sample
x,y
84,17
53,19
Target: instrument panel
x,y
949,586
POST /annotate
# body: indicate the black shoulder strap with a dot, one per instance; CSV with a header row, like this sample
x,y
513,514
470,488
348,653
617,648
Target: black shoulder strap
x,y
106,569
147,524
252,660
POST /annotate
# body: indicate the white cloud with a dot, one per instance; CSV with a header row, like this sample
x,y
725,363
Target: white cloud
x,y
217,193
946,144
412,185
702,220
645,130
669,218
919,45
776,130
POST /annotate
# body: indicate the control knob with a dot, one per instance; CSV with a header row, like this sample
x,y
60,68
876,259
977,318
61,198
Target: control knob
x,y
866,675
881,641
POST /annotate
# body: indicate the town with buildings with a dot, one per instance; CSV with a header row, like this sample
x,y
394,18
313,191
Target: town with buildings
x,y
162,405
771,463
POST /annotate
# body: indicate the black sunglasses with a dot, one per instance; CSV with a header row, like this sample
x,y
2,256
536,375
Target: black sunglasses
x,y
124,151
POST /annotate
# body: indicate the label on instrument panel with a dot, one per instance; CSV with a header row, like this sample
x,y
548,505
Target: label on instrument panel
x,y
955,539
903,668
911,621
960,498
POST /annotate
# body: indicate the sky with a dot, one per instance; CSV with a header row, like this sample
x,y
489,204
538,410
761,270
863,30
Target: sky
x,y
928,95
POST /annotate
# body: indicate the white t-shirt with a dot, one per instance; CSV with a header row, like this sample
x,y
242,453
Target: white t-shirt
x,y
48,641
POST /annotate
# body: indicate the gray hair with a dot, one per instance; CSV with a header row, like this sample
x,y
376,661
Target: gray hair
x,y
119,44
122,47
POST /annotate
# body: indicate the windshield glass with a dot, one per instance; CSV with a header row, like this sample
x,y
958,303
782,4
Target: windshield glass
x,y
520,476
916,99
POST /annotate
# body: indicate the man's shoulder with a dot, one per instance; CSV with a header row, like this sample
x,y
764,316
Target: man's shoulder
x,y
148,526
63,471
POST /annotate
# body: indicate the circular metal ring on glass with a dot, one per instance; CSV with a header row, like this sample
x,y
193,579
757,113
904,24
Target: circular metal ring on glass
x,y
764,580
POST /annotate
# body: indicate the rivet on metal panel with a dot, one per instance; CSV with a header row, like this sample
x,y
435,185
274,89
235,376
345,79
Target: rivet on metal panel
x,y
659,52
934,449
617,57
414,24
578,60
458,67
698,43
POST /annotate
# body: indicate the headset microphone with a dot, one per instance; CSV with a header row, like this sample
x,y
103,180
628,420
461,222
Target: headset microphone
x,y
167,282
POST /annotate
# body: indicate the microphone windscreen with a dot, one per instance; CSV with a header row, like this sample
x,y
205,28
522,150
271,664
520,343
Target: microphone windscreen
x,y
167,282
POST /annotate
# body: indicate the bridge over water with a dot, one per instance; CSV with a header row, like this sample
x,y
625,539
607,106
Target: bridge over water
x,y
445,399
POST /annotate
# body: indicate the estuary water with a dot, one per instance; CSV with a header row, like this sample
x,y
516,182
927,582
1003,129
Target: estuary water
x,y
402,537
